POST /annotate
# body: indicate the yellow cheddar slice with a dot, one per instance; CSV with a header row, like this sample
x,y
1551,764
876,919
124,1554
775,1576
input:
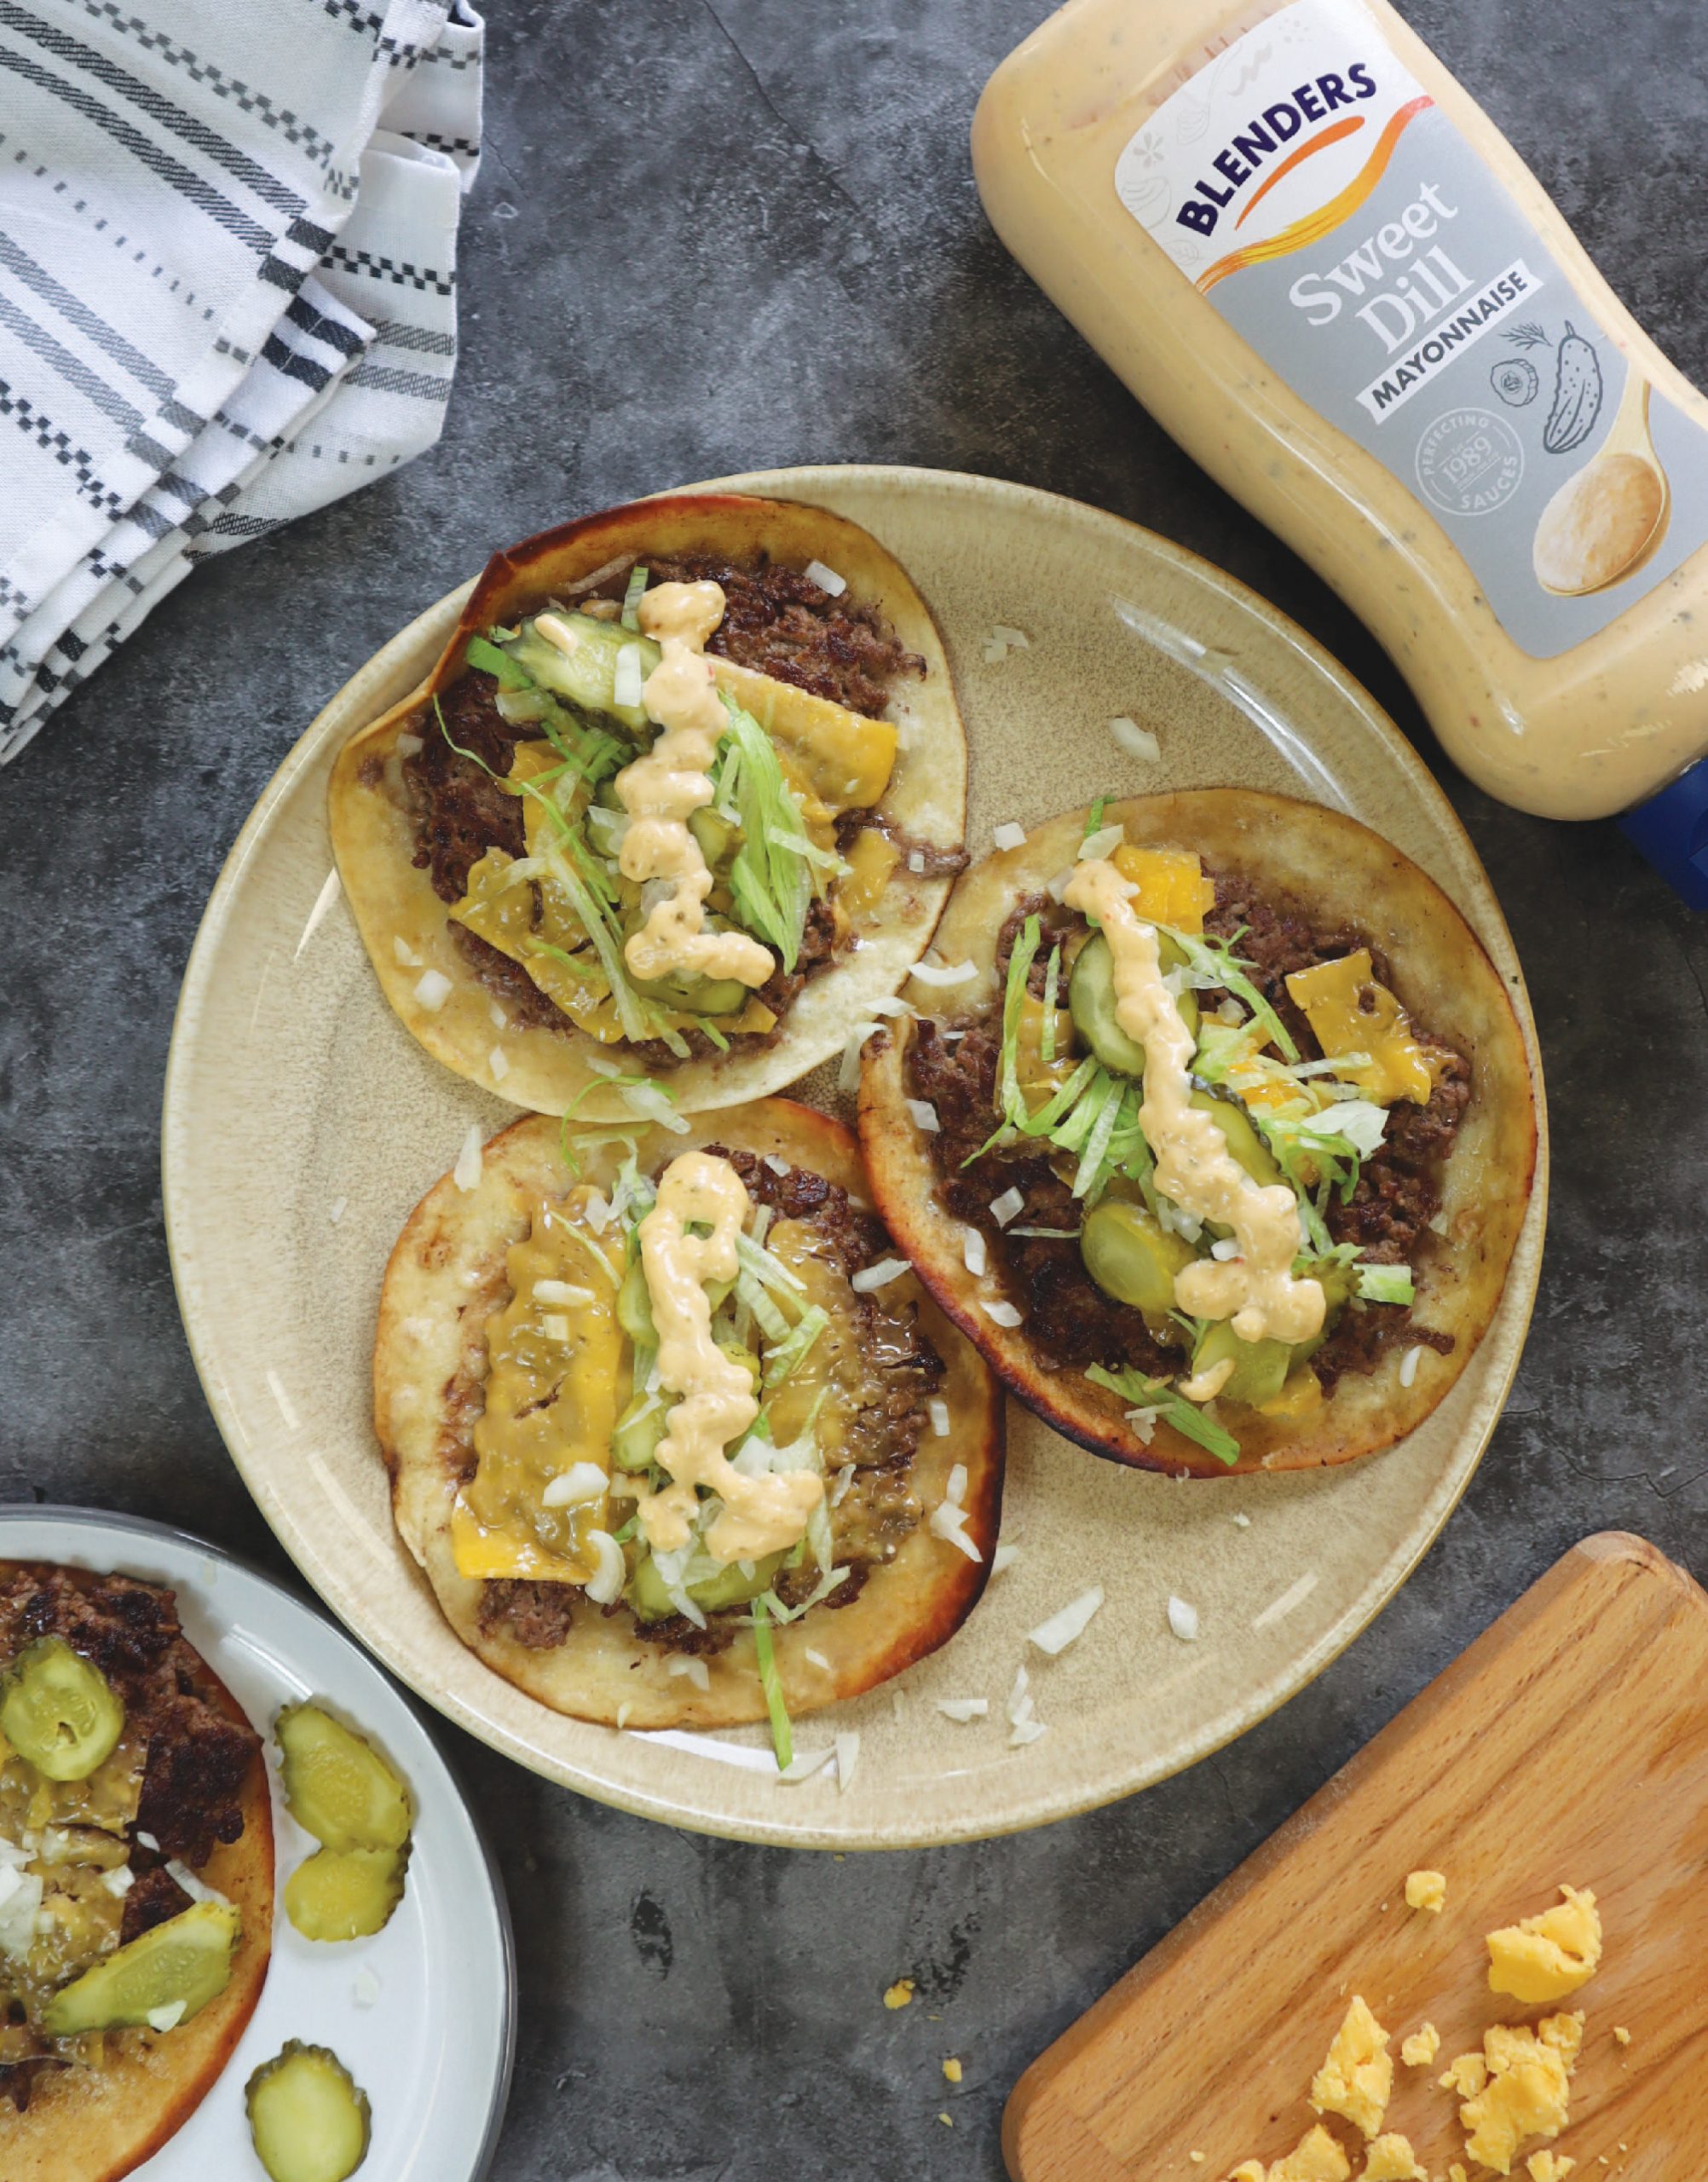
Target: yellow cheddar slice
x,y
1351,1013
1545,1958
1171,886
551,1402
872,858
845,759
1357,2079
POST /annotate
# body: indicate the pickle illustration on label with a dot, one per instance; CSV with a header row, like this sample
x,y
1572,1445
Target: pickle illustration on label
x,y
1314,193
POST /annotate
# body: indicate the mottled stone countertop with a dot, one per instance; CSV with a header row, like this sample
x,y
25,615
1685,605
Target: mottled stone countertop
x,y
693,2008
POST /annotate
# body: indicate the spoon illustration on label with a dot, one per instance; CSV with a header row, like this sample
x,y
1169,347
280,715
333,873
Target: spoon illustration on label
x,y
1607,519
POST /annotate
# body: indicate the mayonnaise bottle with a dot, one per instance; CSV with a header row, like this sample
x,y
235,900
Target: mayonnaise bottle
x,y
1315,260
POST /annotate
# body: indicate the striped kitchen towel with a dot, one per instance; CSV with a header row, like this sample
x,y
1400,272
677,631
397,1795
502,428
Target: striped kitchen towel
x,y
227,290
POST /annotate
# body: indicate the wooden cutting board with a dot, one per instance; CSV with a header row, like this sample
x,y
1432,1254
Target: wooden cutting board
x,y
1569,1743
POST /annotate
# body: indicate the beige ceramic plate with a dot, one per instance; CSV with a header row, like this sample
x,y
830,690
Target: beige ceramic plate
x,y
303,1123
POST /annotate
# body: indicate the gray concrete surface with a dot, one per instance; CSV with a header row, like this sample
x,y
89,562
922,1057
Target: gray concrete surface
x,y
710,237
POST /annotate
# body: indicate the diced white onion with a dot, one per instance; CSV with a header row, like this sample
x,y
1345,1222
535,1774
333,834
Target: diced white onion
x,y
974,1254
1408,1365
839,1491
949,1522
964,1708
1004,1557
1025,1731
891,1006
1137,741
432,990
848,1075
364,1989
847,1758
1002,640
816,1659
20,1902
581,1481
654,1105
500,1020
1009,836
937,1409
626,680
605,1584
467,1171
1225,1250
1360,1121
826,579
1009,1206
563,1293
806,1764
407,956
880,1275
945,974
168,2018
497,1061
916,862
695,1670
196,1889
147,1840
778,1166
956,1487
1242,1521
1183,1619
1230,1012
335,1210
925,1115
407,745
1101,843
1000,1315
119,1881
1056,1634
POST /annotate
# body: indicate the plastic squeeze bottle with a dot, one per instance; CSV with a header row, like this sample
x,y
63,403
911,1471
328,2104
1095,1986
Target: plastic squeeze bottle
x,y
1317,262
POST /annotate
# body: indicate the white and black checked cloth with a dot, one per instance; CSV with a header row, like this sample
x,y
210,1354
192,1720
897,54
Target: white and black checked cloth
x,y
227,290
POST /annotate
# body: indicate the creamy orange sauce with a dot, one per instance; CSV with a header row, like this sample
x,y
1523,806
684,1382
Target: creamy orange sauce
x,y
717,1405
1195,1169
1578,736
661,790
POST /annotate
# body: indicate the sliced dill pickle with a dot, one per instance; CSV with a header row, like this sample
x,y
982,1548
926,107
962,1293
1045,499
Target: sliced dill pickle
x,y
587,672
650,1600
696,995
345,1894
1092,1003
1131,1257
642,1424
1243,1140
60,1711
634,1305
337,1785
309,2121
716,837
1260,1367
185,1961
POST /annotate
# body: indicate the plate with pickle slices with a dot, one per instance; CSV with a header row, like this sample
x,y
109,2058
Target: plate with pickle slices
x,y
237,1883
753,1475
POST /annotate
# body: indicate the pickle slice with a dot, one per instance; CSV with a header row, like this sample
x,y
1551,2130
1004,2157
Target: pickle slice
x,y
309,2121
337,1785
345,1894
185,1961
60,1711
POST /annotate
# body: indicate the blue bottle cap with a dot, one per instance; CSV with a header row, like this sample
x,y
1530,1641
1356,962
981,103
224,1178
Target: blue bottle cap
x,y
1671,830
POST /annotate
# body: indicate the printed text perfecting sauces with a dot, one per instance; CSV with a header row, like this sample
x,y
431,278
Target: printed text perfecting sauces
x,y
1312,257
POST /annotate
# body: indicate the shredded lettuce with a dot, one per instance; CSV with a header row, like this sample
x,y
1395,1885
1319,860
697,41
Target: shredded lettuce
x,y
792,1351
1214,963
782,1736
770,878
1046,1036
1189,1422
483,655
1386,1283
631,597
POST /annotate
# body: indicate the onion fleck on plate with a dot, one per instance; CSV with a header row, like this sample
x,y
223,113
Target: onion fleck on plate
x,y
1009,836
1137,741
1002,641
1069,1623
467,1171
1183,1619
963,1709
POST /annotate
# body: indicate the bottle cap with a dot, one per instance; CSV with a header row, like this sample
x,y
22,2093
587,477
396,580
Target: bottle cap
x,y
1671,830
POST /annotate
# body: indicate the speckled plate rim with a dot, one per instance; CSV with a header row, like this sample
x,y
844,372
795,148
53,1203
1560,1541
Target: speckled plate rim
x,y
795,1828
92,1537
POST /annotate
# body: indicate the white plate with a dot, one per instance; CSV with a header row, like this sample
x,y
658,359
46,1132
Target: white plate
x,y
434,2052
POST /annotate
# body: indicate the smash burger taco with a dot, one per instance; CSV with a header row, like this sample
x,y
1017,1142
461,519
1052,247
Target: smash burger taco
x,y
675,1437
136,1873
681,798
1214,1132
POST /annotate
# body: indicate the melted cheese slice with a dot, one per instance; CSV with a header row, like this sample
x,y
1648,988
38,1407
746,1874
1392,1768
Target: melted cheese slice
x,y
1171,886
1351,1013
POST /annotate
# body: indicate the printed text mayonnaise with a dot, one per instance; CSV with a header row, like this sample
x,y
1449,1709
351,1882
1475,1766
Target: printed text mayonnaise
x,y
1309,252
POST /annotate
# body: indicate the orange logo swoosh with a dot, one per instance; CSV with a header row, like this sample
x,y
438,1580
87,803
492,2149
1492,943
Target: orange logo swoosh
x,y
1314,226
1332,135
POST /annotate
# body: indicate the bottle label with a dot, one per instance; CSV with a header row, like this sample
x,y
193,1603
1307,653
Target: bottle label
x,y
1311,189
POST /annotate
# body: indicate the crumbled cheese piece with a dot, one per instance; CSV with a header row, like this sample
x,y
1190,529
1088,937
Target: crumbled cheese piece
x,y
1248,2170
1197,2158
1425,1890
1622,2035
1550,2165
1466,2075
1546,1957
951,2070
1183,1619
1391,2158
1527,2092
1316,2158
1009,836
900,1994
1357,2078
1137,741
432,990
1421,2048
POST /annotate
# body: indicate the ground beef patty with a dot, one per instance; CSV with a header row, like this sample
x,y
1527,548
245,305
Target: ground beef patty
x,y
1068,1317
197,1760
877,1510
775,621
